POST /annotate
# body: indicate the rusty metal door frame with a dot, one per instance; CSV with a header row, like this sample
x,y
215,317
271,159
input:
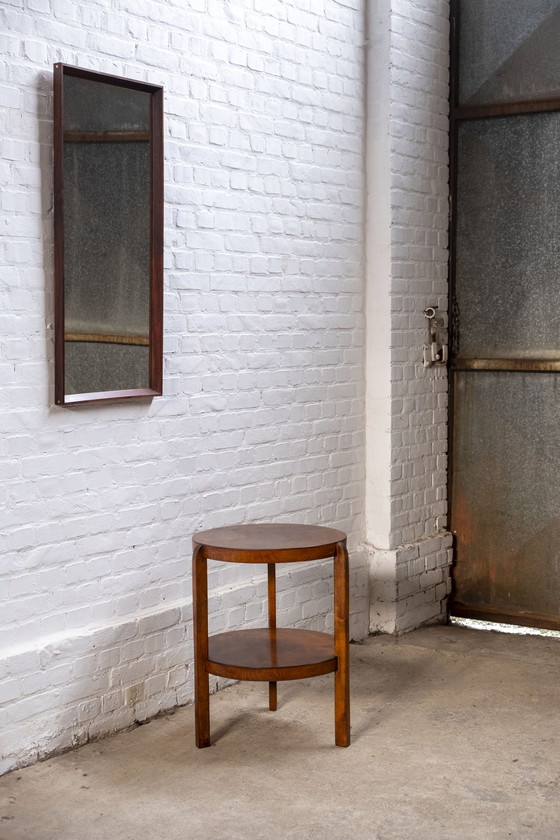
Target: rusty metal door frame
x,y
458,115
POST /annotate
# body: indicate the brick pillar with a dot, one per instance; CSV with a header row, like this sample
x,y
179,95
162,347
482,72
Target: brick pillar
x,y
406,241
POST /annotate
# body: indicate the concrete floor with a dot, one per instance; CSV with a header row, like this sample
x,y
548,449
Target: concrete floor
x,y
456,734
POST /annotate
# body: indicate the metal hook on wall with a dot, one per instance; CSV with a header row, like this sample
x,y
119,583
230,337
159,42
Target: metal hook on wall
x,y
435,353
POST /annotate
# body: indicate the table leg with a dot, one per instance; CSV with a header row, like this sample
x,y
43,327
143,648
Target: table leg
x,y
200,616
341,647
272,686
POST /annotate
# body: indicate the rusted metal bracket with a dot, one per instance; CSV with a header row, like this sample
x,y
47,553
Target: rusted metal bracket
x,y
435,353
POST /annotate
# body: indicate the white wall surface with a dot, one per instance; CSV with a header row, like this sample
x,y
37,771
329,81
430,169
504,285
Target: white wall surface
x,y
406,235
262,413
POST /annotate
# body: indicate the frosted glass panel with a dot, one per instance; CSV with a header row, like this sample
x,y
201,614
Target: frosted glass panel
x,y
508,237
98,106
506,491
106,201
105,367
509,50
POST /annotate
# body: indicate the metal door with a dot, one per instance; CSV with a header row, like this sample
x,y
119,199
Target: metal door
x,y
505,267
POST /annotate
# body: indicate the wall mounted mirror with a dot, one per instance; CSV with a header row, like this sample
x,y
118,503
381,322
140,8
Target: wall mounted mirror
x,y
108,184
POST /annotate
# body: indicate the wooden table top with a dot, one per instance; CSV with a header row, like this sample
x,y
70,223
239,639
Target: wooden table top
x,y
265,537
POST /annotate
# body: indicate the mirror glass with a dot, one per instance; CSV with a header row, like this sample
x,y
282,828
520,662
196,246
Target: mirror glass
x,y
108,237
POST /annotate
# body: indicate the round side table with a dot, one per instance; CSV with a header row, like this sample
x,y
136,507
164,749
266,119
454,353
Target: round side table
x,y
271,654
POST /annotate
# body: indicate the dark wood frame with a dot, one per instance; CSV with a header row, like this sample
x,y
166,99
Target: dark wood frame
x,y
156,236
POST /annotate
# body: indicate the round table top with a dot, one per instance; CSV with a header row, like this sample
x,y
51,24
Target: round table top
x,y
269,537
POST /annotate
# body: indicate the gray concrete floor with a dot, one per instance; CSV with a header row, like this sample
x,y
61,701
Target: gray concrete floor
x,y
456,734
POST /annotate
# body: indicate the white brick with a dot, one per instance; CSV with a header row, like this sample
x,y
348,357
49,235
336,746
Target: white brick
x,y
95,548
410,66
263,408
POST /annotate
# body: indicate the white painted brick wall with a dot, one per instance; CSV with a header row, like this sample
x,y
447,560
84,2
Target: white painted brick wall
x,y
419,195
406,272
262,416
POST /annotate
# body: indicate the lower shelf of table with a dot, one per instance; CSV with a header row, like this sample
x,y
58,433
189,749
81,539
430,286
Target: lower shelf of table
x,y
271,655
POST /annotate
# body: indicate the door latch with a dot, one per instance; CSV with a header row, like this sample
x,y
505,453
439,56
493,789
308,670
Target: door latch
x,y
434,352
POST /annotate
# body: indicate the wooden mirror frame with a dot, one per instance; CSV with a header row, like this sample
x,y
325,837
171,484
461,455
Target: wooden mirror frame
x,y
156,237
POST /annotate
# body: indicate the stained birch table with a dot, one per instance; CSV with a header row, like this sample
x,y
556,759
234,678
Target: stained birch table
x,y
271,654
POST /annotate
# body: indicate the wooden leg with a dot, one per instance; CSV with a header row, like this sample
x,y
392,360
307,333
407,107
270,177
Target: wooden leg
x,y
272,696
201,682
272,686
341,647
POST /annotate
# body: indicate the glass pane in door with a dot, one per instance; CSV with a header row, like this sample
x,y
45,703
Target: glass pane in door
x,y
509,51
507,273
506,491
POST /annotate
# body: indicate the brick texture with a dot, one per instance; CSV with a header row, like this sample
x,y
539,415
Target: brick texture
x,y
262,413
407,272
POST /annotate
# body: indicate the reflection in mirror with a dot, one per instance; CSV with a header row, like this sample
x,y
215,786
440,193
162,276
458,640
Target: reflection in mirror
x,y
108,187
